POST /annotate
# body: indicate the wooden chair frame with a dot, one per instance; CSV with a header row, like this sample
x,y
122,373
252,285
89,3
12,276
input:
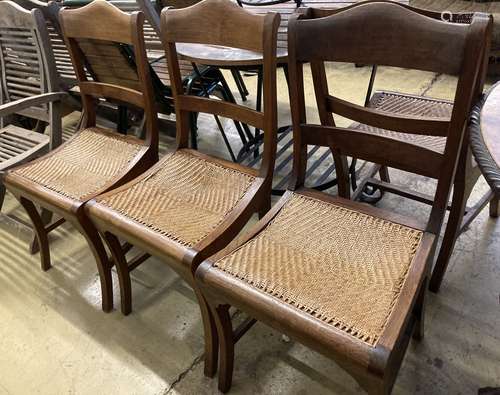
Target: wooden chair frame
x,y
99,21
44,107
333,39
201,23
467,171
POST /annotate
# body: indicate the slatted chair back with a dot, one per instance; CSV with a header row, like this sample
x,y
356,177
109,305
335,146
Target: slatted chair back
x,y
195,25
26,59
389,35
110,44
64,67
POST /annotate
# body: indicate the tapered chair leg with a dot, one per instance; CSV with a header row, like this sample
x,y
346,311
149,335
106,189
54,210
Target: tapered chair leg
x,y
40,232
46,216
450,236
122,270
226,346
103,263
210,333
493,207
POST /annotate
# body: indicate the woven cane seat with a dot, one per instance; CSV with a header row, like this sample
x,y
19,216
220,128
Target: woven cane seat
x,y
185,199
85,164
409,105
340,266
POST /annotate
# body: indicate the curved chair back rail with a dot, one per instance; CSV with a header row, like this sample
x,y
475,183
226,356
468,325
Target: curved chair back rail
x,y
390,35
195,25
110,44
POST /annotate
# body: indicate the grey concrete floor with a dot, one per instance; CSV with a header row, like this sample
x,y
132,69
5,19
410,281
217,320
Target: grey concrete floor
x,y
54,339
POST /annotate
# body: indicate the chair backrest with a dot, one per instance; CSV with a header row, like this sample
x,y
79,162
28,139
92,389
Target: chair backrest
x,y
110,44
220,22
446,16
64,67
389,35
26,60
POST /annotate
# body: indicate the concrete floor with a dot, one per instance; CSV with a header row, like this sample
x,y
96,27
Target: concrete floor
x,y
54,339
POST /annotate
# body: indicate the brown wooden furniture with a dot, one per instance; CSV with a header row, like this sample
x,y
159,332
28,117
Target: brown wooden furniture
x,y
28,88
95,160
468,172
191,205
344,278
484,140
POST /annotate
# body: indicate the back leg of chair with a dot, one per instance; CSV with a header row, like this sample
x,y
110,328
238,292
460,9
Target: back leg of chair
x,y
123,272
384,174
40,232
104,264
46,216
226,345
210,333
450,235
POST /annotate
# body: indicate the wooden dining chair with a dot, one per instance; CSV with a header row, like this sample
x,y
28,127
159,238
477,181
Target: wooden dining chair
x,y
30,96
95,160
190,204
402,104
344,278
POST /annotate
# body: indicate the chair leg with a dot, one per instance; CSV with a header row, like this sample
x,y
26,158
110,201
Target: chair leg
x,y
103,263
384,174
46,216
493,207
123,272
2,195
419,312
210,333
450,236
40,232
226,346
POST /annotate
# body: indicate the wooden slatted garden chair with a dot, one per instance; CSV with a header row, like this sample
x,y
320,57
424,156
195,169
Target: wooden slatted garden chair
x,y
28,88
95,160
344,278
468,172
190,205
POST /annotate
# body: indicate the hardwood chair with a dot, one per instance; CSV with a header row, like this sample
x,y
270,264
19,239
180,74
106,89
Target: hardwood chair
x,y
95,160
190,205
29,88
344,278
468,172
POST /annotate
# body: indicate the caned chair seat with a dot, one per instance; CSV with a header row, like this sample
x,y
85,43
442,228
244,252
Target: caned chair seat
x,y
18,145
398,103
84,165
184,198
329,262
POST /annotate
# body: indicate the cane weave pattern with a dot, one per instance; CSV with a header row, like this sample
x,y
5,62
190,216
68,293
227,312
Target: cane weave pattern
x,y
84,165
343,267
412,106
185,200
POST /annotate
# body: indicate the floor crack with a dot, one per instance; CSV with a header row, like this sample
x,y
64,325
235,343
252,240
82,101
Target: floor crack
x,y
431,83
183,374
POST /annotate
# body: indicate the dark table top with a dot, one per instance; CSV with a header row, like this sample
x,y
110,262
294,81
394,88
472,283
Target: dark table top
x,y
485,137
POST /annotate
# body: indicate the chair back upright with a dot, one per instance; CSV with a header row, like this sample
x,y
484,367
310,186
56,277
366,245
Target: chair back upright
x,y
26,59
389,35
224,23
110,45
